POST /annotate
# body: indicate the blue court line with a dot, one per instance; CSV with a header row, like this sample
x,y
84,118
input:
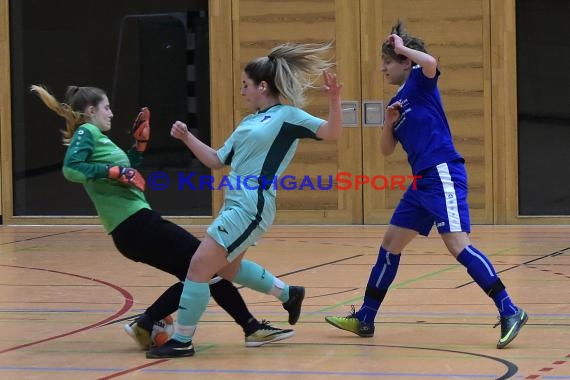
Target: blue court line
x,y
216,312
264,372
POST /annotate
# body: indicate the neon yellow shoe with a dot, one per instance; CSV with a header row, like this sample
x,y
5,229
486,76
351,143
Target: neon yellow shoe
x,y
352,324
510,327
139,335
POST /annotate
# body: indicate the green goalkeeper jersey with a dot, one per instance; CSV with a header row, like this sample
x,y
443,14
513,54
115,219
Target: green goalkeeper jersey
x,y
87,161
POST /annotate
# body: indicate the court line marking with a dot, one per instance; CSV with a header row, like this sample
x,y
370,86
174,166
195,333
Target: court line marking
x,y
41,237
127,304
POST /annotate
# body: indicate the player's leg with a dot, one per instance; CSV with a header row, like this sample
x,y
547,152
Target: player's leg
x,y
169,247
254,276
208,260
408,220
453,223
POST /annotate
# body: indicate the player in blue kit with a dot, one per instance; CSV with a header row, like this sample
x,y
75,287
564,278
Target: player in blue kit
x,y
415,118
259,150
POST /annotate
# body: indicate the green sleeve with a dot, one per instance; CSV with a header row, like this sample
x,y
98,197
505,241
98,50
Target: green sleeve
x,y
76,165
135,157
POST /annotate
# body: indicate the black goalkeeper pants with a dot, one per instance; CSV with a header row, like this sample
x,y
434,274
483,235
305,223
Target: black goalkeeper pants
x,y
148,238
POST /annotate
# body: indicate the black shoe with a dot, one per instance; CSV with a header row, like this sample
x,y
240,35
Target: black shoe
x,y
171,349
510,327
293,306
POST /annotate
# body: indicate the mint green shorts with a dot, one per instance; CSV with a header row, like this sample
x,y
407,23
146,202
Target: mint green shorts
x,y
244,217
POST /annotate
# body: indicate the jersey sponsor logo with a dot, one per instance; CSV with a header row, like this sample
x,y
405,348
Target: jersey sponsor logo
x,y
222,229
404,110
266,117
440,224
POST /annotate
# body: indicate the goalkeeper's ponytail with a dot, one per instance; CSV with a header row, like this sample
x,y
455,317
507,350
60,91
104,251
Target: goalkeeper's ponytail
x,y
77,99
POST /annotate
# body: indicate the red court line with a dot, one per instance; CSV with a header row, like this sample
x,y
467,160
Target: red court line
x,y
133,369
127,304
547,369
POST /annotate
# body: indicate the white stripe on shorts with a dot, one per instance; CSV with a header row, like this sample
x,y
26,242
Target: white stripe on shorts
x,y
450,198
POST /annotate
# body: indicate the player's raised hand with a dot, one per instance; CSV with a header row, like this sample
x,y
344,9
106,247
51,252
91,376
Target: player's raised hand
x,y
331,86
396,41
141,129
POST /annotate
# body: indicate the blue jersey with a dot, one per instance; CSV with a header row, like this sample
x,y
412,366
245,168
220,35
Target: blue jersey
x,y
423,129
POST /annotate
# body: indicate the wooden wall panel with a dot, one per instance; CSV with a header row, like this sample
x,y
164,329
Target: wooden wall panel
x,y
222,83
458,37
505,124
474,40
5,132
259,26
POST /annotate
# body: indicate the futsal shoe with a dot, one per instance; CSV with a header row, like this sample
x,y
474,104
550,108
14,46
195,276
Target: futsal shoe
x,y
293,305
171,349
140,335
353,324
510,327
267,334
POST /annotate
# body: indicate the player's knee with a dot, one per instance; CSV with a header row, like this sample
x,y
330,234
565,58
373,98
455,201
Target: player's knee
x,y
455,242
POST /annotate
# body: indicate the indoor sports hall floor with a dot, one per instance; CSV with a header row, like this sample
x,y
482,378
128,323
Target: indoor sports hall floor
x,y
65,289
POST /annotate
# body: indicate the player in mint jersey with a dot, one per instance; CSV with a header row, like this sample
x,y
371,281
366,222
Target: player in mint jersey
x,y
259,149
139,233
415,118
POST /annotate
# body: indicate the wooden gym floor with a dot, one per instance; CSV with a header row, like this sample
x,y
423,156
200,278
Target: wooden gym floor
x,y
64,289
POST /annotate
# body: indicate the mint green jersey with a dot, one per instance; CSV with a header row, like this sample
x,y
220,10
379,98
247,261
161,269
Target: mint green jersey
x,y
261,147
87,161
264,143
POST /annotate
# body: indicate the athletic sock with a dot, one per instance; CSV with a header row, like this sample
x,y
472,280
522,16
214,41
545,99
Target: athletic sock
x,y
228,298
381,276
165,305
193,303
254,276
483,273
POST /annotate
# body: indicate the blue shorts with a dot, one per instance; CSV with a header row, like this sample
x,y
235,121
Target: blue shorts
x,y
244,217
440,198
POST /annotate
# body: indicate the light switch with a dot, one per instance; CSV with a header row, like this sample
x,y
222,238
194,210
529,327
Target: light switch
x,y
373,113
349,113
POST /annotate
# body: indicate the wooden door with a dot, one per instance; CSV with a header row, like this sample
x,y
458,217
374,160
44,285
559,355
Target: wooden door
x,y
459,37
259,25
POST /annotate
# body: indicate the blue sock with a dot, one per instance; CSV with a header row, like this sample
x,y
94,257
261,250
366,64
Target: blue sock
x,y
483,273
193,303
381,276
254,276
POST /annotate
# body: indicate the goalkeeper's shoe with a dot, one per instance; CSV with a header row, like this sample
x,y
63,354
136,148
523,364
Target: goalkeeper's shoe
x,y
171,349
140,335
353,324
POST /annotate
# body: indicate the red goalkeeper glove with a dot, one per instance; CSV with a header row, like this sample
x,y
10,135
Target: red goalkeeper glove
x,y
129,176
141,129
